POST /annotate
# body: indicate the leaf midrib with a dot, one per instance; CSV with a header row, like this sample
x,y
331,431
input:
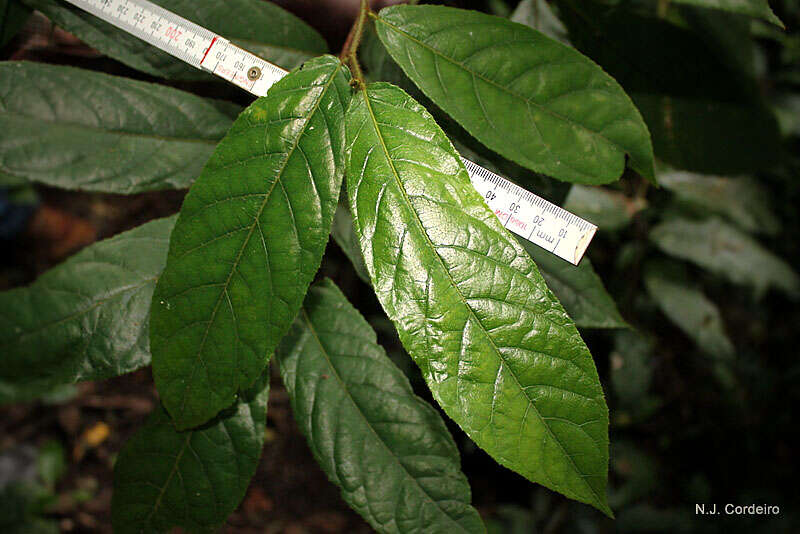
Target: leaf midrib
x,y
335,373
457,289
504,89
255,224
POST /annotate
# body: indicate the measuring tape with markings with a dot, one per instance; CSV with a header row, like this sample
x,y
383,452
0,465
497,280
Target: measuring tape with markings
x,y
527,215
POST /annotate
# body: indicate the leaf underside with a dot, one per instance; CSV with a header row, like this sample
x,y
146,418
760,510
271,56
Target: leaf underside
x,y
527,97
248,241
86,319
348,397
494,345
77,129
193,479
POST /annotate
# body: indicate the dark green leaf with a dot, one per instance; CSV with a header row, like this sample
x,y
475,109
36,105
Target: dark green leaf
x,y
194,479
722,249
269,30
348,397
711,137
248,241
78,129
525,96
579,289
345,236
609,210
496,348
631,367
752,8
86,319
13,16
741,199
688,308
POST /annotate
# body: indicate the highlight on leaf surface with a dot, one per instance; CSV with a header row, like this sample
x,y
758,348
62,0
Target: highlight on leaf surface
x,y
249,238
527,97
86,319
348,397
494,345
194,479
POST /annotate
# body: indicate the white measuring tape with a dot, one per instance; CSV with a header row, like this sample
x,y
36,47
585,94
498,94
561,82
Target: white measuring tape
x,y
527,215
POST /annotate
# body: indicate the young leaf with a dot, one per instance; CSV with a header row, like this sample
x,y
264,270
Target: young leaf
x,y
86,319
751,8
529,98
741,199
269,30
688,308
722,249
578,288
248,241
194,479
79,129
496,348
348,397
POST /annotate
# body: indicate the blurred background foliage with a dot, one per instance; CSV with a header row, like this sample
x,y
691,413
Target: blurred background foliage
x,y
699,363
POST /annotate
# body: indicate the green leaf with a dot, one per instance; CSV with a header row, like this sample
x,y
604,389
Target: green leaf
x,y
494,345
688,308
631,367
722,249
752,8
711,137
261,27
529,98
78,129
345,236
741,199
609,210
348,397
579,289
194,479
86,319
13,16
248,241
539,15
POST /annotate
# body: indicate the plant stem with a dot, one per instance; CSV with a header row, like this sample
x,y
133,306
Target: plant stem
x,y
350,48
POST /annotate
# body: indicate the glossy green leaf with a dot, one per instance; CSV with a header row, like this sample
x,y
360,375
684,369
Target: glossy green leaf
x,y
13,16
688,308
609,210
578,288
86,319
539,15
529,98
752,8
348,397
248,241
194,479
722,249
261,27
78,129
741,199
711,137
494,345
345,236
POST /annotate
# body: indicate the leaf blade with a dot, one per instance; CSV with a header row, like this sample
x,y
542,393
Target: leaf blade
x,y
250,237
347,395
219,460
496,73
425,236
60,335
103,133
